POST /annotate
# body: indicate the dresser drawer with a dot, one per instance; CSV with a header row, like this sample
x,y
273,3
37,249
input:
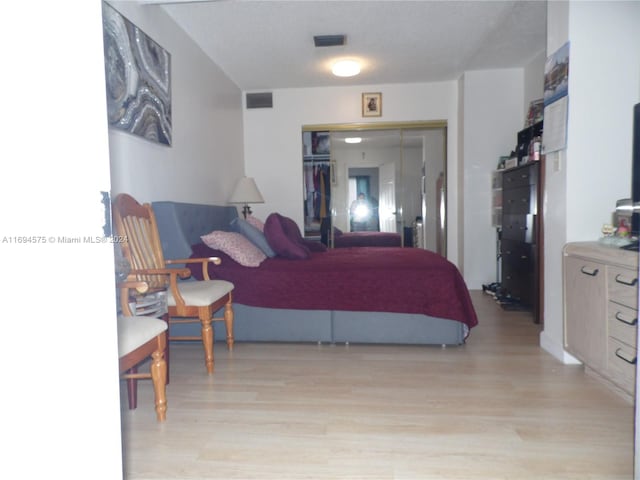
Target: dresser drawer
x,y
623,323
621,365
623,286
520,177
518,227
520,255
518,270
517,200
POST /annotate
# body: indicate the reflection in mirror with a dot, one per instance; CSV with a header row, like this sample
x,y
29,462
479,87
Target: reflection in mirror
x,y
316,182
364,196
372,179
424,156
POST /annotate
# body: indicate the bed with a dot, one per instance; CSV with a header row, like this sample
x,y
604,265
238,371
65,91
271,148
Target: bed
x,y
351,295
343,239
366,239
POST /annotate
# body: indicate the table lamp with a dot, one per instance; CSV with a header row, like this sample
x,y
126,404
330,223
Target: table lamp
x,y
246,192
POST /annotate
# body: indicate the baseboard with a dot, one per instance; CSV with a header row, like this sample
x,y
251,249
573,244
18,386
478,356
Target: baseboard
x,y
557,350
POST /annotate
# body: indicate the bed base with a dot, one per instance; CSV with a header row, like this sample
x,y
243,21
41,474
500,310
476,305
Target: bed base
x,y
257,324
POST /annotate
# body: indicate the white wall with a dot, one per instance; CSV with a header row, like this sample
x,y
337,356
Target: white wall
x,y
603,87
60,401
493,114
206,156
555,209
534,79
584,181
272,137
458,180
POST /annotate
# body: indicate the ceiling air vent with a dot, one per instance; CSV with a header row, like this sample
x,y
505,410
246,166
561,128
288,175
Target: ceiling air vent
x,y
328,40
260,100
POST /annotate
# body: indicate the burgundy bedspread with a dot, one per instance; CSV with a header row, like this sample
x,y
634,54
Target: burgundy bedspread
x,y
373,279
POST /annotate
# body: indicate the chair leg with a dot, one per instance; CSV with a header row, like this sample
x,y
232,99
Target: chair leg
x,y
166,356
132,389
207,340
165,317
159,378
228,321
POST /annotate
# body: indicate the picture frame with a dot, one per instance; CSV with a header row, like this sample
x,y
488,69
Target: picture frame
x,y
556,75
138,80
372,104
535,113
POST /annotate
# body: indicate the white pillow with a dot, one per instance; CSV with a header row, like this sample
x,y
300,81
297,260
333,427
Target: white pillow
x,y
236,246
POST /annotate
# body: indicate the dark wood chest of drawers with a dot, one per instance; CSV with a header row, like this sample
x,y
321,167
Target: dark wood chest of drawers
x,y
520,226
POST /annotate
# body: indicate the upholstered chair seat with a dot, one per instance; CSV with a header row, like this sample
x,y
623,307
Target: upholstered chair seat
x,y
135,331
202,293
138,339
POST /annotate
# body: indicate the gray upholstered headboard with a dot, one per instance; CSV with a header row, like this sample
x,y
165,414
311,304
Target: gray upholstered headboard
x,y
181,224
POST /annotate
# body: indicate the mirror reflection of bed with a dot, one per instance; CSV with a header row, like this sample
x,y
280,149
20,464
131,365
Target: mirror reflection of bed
x,y
401,173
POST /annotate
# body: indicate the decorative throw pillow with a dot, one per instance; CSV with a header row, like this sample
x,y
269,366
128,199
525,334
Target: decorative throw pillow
x,y
256,222
252,234
236,246
285,238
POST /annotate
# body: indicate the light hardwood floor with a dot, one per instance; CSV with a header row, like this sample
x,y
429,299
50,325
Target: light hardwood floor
x,y
498,407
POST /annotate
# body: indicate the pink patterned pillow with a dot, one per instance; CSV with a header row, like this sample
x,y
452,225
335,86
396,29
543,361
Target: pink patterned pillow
x,y
256,222
236,246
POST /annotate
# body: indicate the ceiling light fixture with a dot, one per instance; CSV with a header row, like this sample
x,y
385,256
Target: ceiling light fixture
x,y
353,140
346,68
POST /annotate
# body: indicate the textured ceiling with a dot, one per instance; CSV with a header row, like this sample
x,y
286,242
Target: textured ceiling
x,y
268,44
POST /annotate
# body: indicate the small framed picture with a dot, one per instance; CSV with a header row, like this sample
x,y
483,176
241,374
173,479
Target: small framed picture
x,y
372,104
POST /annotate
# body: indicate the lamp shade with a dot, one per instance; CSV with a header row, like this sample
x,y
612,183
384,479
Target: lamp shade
x,y
246,191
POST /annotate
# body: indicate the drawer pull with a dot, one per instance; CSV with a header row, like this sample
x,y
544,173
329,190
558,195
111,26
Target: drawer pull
x,y
620,279
622,319
632,361
591,273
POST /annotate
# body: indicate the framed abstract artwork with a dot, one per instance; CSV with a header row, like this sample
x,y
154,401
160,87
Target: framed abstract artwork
x,y
138,79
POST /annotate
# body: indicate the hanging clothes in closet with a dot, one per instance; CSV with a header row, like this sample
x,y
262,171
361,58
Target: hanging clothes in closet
x,y
317,190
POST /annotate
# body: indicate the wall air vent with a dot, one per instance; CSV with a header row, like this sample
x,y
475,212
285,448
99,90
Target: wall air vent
x,y
260,100
328,40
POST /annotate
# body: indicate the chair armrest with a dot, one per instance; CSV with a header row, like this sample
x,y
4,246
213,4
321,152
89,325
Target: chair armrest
x,y
138,285
204,261
125,286
173,274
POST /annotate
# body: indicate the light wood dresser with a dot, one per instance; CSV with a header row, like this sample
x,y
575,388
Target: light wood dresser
x,y
601,312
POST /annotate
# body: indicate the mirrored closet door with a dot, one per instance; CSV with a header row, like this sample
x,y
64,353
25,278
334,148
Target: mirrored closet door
x,y
366,178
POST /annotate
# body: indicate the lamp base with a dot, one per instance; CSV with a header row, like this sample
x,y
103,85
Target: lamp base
x,y
246,210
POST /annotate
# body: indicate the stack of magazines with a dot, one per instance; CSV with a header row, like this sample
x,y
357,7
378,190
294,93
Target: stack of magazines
x,y
150,305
